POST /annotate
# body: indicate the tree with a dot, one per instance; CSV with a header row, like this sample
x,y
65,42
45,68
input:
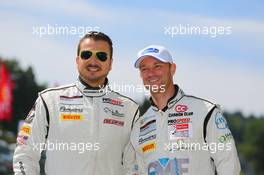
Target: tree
x,y
25,92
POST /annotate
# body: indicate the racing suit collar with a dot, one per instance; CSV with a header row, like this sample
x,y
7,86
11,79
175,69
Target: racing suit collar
x,y
176,97
90,91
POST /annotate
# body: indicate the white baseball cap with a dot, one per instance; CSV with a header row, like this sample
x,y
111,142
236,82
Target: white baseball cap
x,y
156,51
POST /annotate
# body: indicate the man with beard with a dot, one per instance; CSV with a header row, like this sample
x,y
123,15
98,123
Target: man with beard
x,y
84,127
179,134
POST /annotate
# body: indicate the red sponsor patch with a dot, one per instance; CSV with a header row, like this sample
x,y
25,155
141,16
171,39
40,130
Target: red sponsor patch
x,y
180,127
113,122
181,108
112,101
183,120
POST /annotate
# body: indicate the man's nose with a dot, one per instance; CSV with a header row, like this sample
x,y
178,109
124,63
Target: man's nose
x,y
150,73
93,59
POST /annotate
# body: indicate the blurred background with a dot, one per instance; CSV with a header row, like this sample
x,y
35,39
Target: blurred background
x,y
217,47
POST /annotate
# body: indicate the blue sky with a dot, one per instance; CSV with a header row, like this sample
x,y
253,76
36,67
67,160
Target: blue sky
x,y
227,69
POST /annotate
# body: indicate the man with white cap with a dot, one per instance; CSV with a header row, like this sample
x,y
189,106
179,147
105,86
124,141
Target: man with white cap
x,y
179,134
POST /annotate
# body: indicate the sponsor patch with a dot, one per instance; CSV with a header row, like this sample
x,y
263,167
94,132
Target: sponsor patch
x,y
149,147
179,128
149,138
178,121
180,114
113,101
71,117
220,121
21,139
148,127
225,138
113,122
70,110
181,108
113,112
25,130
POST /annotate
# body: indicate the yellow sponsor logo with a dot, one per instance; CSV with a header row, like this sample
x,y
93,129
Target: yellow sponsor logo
x,y
71,117
25,130
149,147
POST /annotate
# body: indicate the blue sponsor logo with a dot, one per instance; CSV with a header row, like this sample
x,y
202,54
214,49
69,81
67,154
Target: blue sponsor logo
x,y
150,50
220,121
165,166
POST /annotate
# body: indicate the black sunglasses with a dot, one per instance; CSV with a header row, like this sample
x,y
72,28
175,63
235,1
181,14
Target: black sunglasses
x,y
86,54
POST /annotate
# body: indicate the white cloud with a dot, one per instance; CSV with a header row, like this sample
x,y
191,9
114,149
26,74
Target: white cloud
x,y
232,87
50,59
53,58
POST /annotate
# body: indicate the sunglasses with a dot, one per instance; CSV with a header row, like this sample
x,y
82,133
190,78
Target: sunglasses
x,y
86,54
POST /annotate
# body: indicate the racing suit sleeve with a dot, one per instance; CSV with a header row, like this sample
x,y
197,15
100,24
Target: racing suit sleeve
x,y
31,140
222,145
131,163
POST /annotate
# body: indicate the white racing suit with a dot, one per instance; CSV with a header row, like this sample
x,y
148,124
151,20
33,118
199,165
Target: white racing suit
x,y
84,130
189,136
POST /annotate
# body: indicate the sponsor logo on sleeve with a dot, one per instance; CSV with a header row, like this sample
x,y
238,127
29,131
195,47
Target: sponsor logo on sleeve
x,y
21,139
220,121
25,130
225,138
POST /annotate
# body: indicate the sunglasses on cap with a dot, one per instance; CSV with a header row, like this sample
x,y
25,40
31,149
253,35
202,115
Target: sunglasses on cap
x,y
86,54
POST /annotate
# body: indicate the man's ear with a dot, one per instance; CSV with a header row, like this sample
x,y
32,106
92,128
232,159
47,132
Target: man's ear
x,y
173,69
